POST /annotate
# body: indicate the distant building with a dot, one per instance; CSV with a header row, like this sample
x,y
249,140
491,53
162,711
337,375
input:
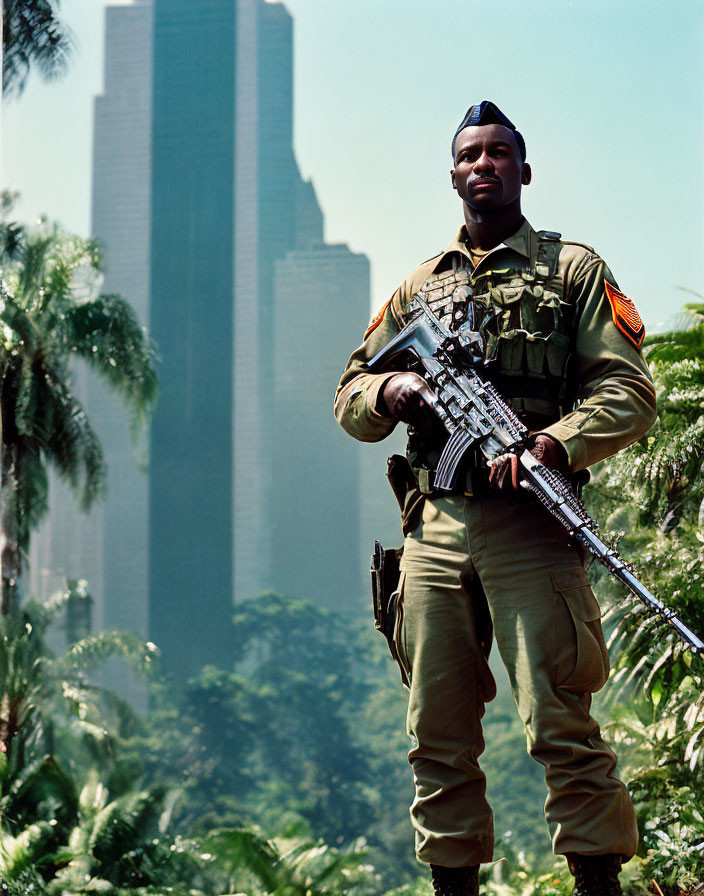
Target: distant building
x,y
108,547
229,207
322,307
267,185
120,219
212,234
192,288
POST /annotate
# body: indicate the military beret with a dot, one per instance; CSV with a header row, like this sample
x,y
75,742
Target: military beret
x,y
487,112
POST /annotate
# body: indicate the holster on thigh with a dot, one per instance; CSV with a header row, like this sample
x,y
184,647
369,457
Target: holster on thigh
x,y
386,575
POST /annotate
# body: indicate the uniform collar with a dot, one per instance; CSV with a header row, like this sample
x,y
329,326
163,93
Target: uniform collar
x,y
524,241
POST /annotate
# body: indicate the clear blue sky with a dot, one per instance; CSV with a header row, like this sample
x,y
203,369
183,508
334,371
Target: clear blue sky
x,y
609,96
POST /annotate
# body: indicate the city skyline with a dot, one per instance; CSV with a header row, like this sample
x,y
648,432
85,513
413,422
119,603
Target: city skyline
x,y
276,213
228,266
579,80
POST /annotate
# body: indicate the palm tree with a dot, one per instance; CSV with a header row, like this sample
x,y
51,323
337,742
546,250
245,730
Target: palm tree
x,y
33,35
51,311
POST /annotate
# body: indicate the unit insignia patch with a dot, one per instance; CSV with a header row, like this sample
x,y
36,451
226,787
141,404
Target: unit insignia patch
x,y
377,319
625,315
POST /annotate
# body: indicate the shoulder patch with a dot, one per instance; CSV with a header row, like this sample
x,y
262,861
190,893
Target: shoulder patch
x,y
376,320
625,315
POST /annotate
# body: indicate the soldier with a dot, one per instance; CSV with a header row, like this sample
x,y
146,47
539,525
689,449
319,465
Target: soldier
x,y
562,343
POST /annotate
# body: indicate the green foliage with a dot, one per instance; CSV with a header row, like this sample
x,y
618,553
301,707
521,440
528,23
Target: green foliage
x,y
276,742
71,809
285,867
27,883
657,686
51,311
33,37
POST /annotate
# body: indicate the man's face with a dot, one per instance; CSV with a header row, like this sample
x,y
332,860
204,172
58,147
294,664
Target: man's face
x,y
488,172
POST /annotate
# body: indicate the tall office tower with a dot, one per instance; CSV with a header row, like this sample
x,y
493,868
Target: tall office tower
x,y
275,212
120,219
227,202
109,547
192,288
322,307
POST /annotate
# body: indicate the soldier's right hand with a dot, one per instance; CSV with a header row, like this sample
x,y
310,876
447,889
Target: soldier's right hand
x,y
407,397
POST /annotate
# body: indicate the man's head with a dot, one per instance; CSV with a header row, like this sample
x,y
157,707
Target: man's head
x,y
489,158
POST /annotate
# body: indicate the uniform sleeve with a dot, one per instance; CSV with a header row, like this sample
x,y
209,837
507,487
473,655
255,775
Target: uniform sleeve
x,y
615,390
358,392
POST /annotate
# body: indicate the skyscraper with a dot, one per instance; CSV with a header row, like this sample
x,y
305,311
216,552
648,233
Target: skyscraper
x,y
198,199
120,219
109,546
191,289
267,183
228,204
322,306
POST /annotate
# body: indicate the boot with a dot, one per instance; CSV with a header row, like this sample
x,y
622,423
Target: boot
x,y
595,875
455,881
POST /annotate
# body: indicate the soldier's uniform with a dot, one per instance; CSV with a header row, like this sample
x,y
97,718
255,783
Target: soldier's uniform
x,y
563,345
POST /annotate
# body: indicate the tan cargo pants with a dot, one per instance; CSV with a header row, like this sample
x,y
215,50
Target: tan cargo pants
x,y
471,565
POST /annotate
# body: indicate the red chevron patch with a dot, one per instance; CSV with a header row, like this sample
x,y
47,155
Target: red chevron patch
x,y
625,315
377,319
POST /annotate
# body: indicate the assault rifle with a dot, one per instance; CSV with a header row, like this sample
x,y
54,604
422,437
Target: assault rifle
x,y
476,416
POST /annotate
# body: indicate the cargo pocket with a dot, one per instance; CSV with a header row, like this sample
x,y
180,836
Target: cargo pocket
x,y
581,657
396,646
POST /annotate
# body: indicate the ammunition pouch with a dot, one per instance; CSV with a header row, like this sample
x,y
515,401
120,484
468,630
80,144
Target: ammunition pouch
x,y
386,575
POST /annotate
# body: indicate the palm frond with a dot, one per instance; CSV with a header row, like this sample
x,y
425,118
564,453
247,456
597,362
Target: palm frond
x,y
125,823
246,848
33,271
31,849
96,649
52,420
41,782
33,37
106,332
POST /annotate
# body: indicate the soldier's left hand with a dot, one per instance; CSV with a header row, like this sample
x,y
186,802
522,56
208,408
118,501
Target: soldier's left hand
x,y
504,472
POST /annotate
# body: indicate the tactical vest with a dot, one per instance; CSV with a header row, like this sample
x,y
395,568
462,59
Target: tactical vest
x,y
527,332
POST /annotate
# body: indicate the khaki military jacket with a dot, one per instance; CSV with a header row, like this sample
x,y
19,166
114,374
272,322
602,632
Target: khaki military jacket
x,y
615,398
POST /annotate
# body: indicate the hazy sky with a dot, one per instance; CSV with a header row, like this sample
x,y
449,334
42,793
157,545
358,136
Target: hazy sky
x,y
609,96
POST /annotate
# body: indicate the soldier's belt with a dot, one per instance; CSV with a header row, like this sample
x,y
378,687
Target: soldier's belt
x,y
473,483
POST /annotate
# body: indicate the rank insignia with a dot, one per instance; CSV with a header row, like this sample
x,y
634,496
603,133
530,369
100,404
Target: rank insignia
x,y
377,319
625,315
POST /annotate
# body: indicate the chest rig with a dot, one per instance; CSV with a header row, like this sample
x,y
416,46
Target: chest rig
x,y
524,323
526,329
